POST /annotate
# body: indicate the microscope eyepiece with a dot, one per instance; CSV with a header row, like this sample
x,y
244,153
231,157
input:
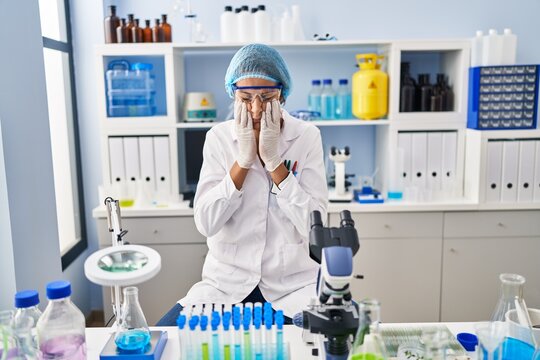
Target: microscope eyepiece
x,y
316,220
346,219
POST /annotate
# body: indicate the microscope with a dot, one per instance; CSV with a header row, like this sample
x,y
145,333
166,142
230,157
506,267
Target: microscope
x,y
339,184
332,318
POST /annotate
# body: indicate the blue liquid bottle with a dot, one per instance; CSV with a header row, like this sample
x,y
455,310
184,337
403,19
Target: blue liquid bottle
x,y
314,96
343,100
328,100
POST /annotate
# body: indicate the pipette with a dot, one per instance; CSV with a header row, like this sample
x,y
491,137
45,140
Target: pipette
x,y
237,333
279,335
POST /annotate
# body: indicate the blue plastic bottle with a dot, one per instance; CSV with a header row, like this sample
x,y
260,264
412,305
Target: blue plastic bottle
x,y
314,96
328,100
343,100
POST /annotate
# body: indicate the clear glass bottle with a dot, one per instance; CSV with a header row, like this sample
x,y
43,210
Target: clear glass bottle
x,y
435,344
314,96
132,333
26,303
61,328
511,307
343,100
8,345
26,346
368,343
328,100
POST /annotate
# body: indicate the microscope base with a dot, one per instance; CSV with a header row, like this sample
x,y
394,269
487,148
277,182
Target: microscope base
x,y
333,196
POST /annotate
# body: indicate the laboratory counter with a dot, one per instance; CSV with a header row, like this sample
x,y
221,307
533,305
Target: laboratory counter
x,y
97,337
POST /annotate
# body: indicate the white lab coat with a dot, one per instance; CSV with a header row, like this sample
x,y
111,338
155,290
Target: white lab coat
x,y
256,238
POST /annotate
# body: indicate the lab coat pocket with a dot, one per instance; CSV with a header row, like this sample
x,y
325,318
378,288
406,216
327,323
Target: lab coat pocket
x,y
296,264
224,256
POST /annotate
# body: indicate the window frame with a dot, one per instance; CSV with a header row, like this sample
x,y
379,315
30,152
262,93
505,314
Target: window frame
x,y
66,47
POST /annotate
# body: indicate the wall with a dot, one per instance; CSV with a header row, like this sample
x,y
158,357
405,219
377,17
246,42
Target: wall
x,y
27,151
346,19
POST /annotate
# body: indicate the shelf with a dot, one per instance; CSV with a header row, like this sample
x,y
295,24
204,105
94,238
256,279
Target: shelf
x,y
325,123
176,209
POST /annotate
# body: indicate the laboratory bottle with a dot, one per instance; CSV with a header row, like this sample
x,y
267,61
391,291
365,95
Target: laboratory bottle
x,y
476,49
245,26
8,343
408,89
286,27
343,100
438,94
136,32
448,101
122,32
425,92
26,303
26,346
314,96
435,344
228,25
492,46
132,333
509,47
511,307
328,100
111,22
61,327
299,34
368,343
167,29
157,32
263,32
147,32
130,24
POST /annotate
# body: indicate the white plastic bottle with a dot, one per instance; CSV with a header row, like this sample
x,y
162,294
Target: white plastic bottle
x,y
343,100
492,49
328,100
297,24
509,47
263,32
245,26
314,96
228,25
61,328
287,28
476,49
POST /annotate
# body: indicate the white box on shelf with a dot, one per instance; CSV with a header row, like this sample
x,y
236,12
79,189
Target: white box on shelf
x,y
146,154
162,161
419,160
116,161
537,173
510,171
449,163
525,192
493,171
404,143
434,160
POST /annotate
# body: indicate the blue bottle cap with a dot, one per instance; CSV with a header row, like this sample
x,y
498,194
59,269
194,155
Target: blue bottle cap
x,y
141,66
315,82
327,81
26,298
343,81
181,321
58,289
279,319
204,322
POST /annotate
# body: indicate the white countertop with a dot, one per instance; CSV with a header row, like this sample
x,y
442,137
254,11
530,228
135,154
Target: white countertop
x,y
97,337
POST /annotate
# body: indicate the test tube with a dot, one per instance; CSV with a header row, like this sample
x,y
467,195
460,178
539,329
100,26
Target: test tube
x,y
216,344
204,348
227,335
246,322
257,332
237,333
279,319
182,335
268,342
194,345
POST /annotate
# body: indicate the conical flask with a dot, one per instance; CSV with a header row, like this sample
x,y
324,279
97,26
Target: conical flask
x,y
368,343
132,334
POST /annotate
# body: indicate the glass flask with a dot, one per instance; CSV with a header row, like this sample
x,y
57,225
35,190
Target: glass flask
x,y
511,309
132,334
26,347
490,337
435,344
368,343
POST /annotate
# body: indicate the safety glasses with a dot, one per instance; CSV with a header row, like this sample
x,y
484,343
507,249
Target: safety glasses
x,y
248,94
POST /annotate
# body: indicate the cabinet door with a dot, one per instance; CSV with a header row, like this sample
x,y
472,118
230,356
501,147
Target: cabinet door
x,y
403,274
471,268
181,267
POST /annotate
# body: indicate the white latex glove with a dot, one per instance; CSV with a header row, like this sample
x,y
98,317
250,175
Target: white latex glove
x,y
269,136
247,146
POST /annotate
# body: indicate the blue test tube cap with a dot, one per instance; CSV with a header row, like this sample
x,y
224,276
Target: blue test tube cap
x,y
226,320
181,321
257,322
279,319
204,322
257,312
267,306
236,311
193,322
247,320
268,321
215,320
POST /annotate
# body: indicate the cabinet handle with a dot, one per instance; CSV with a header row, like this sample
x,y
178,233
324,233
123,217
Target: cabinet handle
x,y
452,250
386,226
500,224
155,231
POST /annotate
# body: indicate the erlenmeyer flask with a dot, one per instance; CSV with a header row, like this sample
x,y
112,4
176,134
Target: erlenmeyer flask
x,y
511,305
368,342
132,334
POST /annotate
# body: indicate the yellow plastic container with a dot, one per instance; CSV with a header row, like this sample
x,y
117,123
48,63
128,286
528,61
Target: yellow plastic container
x,y
369,88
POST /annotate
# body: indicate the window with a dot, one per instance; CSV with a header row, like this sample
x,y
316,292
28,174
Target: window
x,y
58,59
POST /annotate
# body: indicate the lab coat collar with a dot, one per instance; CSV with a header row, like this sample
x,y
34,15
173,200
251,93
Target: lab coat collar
x,y
289,131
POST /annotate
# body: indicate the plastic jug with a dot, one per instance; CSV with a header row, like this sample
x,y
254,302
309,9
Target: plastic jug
x,y
369,88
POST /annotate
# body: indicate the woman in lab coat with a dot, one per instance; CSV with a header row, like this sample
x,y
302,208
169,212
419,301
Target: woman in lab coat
x,y
262,176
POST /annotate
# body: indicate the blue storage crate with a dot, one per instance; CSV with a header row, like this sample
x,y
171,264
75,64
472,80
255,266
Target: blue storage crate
x,y
503,97
130,89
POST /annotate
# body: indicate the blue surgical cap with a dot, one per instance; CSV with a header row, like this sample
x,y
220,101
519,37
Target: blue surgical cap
x,y
258,61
